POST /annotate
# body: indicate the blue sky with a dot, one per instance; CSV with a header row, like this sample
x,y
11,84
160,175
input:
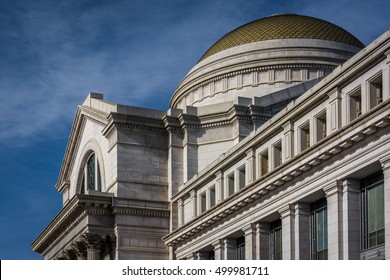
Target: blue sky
x,y
52,53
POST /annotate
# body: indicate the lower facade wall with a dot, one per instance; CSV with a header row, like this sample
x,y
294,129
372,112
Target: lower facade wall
x,y
337,182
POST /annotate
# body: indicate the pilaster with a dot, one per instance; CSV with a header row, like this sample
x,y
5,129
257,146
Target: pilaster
x,y
250,166
334,111
218,249
333,193
351,219
302,231
250,241
288,236
385,162
263,241
229,249
287,143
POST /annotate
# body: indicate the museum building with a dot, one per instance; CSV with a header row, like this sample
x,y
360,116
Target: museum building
x,y
276,145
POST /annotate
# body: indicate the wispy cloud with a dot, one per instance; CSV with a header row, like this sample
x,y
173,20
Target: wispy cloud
x,y
135,52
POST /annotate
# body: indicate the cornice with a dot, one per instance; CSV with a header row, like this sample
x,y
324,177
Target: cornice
x,y
69,216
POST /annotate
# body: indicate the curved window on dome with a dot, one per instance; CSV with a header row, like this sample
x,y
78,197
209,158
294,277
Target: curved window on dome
x,y
91,179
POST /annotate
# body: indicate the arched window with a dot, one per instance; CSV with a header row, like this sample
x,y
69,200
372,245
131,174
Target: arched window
x,y
91,179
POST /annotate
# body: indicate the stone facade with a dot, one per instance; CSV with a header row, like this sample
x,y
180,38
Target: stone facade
x,y
268,151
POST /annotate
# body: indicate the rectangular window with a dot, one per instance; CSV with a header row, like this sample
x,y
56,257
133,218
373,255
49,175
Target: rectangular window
x,y
277,153
276,240
230,184
321,126
373,218
319,232
241,248
264,162
304,135
241,176
376,91
212,196
355,104
202,202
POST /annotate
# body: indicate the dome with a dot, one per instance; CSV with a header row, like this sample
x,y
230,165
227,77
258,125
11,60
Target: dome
x,y
286,26
263,57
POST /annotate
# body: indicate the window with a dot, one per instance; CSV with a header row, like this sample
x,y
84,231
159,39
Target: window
x,y
304,134
241,176
91,179
277,153
212,196
321,126
202,202
319,232
241,248
376,91
276,240
373,221
355,104
230,184
264,162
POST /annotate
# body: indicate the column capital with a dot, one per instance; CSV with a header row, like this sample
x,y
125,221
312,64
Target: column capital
x,y
217,244
80,248
286,210
385,162
250,152
192,193
351,185
334,94
249,228
288,126
302,208
333,188
219,175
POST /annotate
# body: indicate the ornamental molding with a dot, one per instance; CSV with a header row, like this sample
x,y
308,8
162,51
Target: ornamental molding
x,y
134,211
183,93
72,214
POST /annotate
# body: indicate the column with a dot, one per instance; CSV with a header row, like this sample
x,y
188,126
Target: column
x,y
386,176
172,255
94,244
180,216
219,186
201,255
386,78
218,249
263,241
193,202
351,219
287,143
93,253
302,231
80,248
250,167
250,241
288,238
333,193
334,111
229,249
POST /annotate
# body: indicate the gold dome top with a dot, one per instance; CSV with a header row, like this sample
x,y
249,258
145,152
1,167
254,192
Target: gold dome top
x,y
286,26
